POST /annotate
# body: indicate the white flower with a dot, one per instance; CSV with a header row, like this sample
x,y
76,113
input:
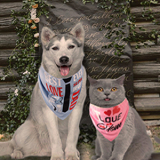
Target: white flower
x,y
16,92
26,72
36,35
36,45
36,20
33,13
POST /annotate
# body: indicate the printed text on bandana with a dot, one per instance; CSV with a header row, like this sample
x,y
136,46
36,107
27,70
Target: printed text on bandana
x,y
60,95
53,86
108,122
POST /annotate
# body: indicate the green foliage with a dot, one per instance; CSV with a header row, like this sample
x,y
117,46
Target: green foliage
x,y
121,10
25,62
87,133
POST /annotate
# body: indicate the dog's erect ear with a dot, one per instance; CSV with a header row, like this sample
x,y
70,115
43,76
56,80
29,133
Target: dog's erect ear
x,y
46,35
78,32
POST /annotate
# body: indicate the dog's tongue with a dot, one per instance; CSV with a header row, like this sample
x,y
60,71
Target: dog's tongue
x,y
64,70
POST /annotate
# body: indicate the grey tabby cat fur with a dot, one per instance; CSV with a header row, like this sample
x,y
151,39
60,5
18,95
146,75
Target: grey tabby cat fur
x,y
43,133
132,143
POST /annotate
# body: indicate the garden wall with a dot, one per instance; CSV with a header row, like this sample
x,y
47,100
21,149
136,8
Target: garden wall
x,y
8,39
146,64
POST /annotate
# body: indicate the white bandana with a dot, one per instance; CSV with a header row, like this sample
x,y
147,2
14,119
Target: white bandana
x,y
60,95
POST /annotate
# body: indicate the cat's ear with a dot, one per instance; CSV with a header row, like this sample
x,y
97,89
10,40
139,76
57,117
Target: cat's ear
x,y
120,80
91,80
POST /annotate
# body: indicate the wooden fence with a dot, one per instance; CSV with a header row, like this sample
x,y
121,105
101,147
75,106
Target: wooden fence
x,y
8,39
146,66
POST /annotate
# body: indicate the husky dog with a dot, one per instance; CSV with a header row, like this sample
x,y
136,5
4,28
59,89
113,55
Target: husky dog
x,y
44,133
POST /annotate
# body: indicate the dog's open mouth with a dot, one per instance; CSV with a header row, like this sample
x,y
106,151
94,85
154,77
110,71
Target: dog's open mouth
x,y
64,70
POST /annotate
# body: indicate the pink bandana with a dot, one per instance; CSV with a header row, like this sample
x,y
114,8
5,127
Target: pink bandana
x,y
109,121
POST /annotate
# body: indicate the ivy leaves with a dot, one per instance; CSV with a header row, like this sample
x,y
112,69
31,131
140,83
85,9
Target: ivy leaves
x,y
121,10
25,62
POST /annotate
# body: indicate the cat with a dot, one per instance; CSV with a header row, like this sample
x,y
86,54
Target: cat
x,y
121,133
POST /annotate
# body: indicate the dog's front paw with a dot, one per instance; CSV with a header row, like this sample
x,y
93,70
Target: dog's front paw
x,y
57,155
57,158
72,154
17,155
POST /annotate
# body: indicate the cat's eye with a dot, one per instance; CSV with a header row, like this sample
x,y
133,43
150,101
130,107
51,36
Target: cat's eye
x,y
100,89
55,48
114,89
71,47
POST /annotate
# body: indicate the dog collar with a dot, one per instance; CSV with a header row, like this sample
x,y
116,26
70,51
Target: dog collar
x,y
109,121
60,95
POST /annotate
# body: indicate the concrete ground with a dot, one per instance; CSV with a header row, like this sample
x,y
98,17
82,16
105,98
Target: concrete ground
x,y
85,150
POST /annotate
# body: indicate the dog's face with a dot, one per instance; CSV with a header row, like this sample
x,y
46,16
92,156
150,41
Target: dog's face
x,y
63,53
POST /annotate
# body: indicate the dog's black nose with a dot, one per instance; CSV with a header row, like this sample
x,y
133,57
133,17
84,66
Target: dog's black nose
x,y
64,59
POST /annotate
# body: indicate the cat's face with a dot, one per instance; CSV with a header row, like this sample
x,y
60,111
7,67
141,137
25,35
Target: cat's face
x,y
106,92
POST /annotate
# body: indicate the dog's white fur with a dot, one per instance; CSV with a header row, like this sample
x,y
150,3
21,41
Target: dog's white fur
x,y
43,133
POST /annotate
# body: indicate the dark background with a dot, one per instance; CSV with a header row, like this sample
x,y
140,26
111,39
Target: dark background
x,y
100,62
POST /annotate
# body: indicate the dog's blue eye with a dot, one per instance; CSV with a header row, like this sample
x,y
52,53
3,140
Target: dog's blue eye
x,y
55,48
71,47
